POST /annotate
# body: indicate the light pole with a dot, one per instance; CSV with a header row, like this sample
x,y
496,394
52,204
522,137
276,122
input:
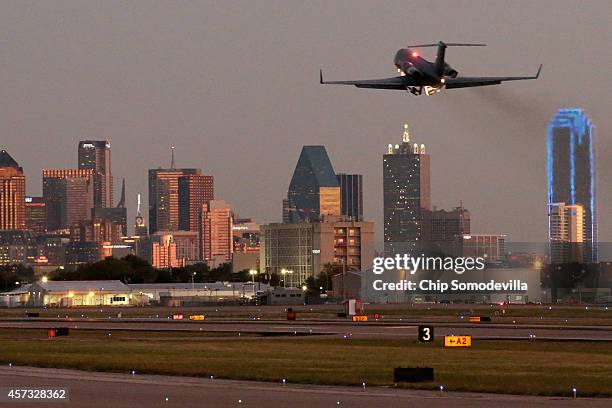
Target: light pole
x,y
284,273
193,281
253,273
290,272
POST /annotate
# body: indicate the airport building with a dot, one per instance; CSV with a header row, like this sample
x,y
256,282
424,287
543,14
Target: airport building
x,y
117,293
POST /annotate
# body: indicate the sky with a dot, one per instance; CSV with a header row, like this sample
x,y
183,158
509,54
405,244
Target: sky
x,y
234,86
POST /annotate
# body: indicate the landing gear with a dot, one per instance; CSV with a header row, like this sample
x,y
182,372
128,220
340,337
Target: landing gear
x,y
415,90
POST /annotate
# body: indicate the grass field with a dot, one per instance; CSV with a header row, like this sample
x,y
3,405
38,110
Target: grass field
x,y
540,368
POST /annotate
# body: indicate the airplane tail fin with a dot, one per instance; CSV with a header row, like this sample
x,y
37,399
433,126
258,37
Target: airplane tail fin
x,y
439,64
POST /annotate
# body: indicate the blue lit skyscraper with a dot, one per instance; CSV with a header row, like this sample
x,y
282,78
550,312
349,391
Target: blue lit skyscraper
x,y
571,175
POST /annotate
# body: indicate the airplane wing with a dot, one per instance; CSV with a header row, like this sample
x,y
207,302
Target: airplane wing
x,y
398,83
466,82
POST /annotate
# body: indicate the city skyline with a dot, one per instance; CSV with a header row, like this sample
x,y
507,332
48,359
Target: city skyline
x,y
147,108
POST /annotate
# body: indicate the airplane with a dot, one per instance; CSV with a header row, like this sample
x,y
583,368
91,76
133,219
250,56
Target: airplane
x,y
418,75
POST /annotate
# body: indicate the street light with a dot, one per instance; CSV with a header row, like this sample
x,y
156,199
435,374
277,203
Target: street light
x,y
192,281
284,272
290,272
253,273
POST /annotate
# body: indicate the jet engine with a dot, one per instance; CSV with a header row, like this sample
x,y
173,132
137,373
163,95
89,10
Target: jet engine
x,y
449,71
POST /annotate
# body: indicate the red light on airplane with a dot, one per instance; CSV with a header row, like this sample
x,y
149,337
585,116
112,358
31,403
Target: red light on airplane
x,y
415,54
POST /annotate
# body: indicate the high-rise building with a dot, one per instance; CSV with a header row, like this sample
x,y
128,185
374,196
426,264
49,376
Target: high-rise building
x,y
97,230
163,252
164,198
567,233
297,251
406,193
216,232
95,155
571,171
286,212
443,230
195,190
187,245
314,191
12,194
118,214
17,246
69,196
351,195
36,214
491,247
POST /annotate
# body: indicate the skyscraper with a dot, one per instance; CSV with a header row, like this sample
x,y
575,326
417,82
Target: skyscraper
x,y
314,191
12,193
195,190
567,233
95,155
164,198
216,232
36,214
69,196
117,215
571,172
351,195
443,231
406,192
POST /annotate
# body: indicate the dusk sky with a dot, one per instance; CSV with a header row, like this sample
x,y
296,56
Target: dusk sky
x,y
234,86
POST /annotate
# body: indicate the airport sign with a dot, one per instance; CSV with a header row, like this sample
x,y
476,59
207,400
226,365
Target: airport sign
x,y
457,341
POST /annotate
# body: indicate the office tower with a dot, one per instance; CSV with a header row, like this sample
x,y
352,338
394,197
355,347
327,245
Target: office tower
x,y
69,196
95,155
12,193
97,230
351,195
406,193
79,253
140,229
216,232
491,247
36,214
187,245
17,247
118,214
443,230
571,171
301,250
163,252
567,233
195,190
314,191
164,197
286,212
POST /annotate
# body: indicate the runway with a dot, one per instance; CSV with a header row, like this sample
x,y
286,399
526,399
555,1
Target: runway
x,y
103,390
337,328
